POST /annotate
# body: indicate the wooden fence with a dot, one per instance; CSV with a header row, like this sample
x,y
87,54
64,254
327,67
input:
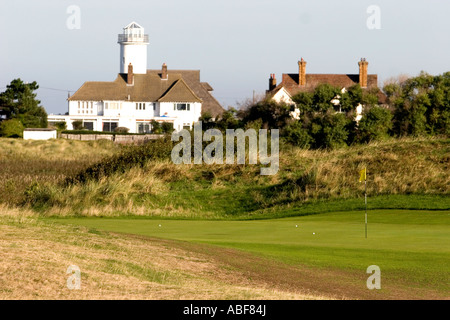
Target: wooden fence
x,y
118,138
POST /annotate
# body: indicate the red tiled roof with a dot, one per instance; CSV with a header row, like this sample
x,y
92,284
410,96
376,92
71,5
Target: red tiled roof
x,y
290,81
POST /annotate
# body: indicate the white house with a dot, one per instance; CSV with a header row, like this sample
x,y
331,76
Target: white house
x,y
138,95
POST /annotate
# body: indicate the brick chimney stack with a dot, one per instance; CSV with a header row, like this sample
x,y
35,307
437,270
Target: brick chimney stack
x,y
272,82
363,72
130,76
302,72
164,75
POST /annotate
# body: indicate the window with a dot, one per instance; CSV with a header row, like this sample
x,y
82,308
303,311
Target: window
x,y
143,127
113,105
88,125
182,106
109,126
154,106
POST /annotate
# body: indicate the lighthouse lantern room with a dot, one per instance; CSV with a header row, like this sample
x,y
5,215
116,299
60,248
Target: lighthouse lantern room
x,y
133,48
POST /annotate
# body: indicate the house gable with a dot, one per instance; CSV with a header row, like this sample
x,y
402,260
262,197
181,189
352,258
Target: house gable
x,y
281,95
180,92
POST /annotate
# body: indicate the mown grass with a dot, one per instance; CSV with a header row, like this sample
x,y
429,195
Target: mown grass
x,y
411,247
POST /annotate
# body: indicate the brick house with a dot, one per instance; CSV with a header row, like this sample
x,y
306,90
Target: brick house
x,y
293,83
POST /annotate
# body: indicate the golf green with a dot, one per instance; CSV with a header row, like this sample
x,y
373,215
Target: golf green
x,y
411,245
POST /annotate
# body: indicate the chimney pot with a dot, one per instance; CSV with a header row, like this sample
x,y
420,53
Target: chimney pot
x,y
164,75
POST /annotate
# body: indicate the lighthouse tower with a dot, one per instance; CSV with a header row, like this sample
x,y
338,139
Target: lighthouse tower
x,y
133,48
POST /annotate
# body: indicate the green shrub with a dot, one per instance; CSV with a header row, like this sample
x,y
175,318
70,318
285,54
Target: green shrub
x,y
77,125
296,135
12,128
167,127
156,127
61,125
38,196
121,130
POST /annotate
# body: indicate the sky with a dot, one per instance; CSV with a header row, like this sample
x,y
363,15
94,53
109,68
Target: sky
x,y
236,44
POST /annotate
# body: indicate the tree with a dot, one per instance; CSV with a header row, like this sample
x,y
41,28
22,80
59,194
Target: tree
x,y
207,120
421,105
438,116
329,130
19,101
323,94
273,115
229,120
304,101
375,124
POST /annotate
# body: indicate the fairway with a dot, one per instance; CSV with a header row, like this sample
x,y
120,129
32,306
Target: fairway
x,y
411,247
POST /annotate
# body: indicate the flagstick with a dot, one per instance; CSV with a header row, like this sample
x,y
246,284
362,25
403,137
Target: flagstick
x,y
365,200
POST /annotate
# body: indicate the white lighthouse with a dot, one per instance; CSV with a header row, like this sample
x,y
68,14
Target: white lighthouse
x,y
133,48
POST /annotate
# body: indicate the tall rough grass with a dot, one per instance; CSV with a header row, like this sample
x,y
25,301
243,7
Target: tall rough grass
x,y
143,181
27,162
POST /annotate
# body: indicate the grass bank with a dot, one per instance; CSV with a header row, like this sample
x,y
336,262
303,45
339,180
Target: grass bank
x,y
408,173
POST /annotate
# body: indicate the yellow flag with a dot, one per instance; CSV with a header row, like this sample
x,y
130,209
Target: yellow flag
x,y
362,175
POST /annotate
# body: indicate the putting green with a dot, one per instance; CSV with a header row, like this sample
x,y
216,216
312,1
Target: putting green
x,y
410,245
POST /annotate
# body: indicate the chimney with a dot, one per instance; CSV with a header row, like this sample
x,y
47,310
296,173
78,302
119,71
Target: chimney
x,y
302,72
164,75
272,82
130,76
363,72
